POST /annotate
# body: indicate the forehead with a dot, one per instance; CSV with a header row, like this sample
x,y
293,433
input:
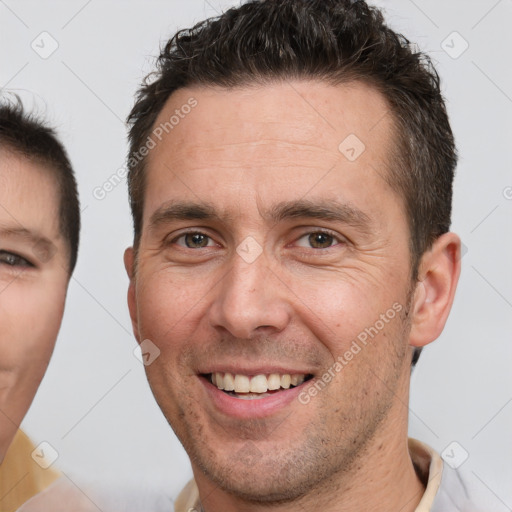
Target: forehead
x,y
281,138
29,200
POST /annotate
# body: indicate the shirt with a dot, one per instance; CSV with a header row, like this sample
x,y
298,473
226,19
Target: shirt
x,y
20,476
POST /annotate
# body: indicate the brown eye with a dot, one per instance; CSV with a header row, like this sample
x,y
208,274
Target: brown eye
x,y
196,240
320,240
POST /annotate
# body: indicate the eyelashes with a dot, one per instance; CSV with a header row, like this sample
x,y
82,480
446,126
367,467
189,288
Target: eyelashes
x,y
13,260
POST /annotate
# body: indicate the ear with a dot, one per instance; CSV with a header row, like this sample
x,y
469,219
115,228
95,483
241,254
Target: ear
x,y
129,265
433,297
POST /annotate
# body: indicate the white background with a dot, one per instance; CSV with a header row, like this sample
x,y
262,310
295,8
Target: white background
x,y
94,405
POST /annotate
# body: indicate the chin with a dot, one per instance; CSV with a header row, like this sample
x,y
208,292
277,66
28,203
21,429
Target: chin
x,y
254,488
254,478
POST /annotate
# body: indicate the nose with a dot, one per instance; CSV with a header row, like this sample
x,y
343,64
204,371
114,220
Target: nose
x,y
250,300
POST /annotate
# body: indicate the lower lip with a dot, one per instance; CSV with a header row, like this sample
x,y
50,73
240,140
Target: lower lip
x,y
250,409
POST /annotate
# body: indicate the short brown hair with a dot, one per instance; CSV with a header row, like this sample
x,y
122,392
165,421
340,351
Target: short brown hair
x,y
330,40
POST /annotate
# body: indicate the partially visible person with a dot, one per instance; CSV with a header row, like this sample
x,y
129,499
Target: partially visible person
x,y
39,234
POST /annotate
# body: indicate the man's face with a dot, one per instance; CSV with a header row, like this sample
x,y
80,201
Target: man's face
x,y
33,282
267,249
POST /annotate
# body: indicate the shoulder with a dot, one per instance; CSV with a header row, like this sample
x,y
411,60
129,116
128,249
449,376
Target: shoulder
x,y
22,475
450,489
72,495
462,490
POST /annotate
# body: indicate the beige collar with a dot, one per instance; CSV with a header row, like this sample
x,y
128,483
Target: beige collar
x,y
427,462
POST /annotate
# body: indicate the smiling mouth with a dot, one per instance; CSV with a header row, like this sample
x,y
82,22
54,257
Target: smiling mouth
x,y
254,387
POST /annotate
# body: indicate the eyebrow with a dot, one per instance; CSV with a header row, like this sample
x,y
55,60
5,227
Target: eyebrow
x,y
182,210
23,234
327,210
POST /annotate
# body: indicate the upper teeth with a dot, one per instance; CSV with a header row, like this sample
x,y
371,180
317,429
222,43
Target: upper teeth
x,y
257,384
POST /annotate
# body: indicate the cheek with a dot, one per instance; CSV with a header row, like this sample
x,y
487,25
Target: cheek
x,y
169,307
167,312
30,320
338,310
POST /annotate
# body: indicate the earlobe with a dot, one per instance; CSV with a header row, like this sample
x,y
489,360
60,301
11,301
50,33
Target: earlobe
x,y
435,290
129,261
